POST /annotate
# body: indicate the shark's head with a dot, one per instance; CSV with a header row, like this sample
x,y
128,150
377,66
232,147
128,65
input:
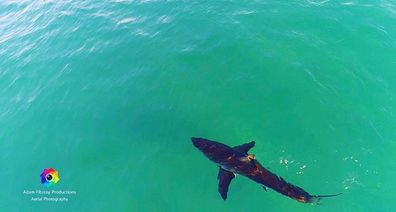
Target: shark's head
x,y
200,143
215,151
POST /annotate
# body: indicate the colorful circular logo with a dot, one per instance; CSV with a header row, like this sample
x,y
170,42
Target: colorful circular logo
x,y
49,177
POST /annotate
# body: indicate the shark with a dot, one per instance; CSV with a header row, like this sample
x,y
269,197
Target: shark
x,y
237,161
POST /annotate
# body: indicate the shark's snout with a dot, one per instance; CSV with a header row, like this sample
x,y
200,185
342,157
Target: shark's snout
x,y
198,142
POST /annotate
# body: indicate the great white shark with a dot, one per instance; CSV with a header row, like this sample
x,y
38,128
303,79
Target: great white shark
x,y
236,160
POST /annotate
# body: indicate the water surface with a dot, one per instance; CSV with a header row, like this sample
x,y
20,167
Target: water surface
x,y
110,92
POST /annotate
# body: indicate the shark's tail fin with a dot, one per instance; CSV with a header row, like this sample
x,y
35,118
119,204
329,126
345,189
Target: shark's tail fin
x,y
316,198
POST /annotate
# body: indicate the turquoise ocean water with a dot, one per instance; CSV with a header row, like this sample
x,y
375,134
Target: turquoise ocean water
x,y
109,93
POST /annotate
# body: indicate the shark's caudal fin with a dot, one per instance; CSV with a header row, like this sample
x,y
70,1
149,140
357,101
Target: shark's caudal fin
x,y
224,178
316,198
245,147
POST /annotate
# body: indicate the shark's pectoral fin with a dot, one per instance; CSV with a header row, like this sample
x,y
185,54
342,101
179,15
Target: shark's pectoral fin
x,y
245,147
224,178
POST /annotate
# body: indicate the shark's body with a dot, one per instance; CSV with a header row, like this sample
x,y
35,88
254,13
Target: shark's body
x,y
236,160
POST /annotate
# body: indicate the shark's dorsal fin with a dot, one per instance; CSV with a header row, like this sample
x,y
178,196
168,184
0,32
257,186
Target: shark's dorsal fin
x,y
245,147
224,178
